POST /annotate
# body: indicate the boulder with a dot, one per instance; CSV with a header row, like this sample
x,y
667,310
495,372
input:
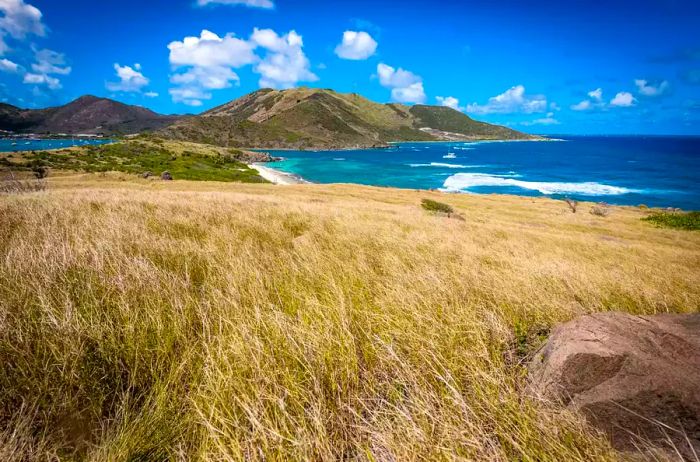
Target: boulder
x,y
166,176
631,376
146,174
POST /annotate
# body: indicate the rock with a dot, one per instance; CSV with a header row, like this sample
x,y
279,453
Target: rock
x,y
629,375
166,176
146,174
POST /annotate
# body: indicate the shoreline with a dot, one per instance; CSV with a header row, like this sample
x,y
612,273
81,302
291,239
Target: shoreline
x,y
277,177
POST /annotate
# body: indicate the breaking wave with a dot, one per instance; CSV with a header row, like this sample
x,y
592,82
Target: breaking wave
x,y
464,181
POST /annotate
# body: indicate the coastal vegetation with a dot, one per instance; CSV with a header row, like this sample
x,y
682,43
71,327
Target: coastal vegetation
x,y
218,321
144,155
680,220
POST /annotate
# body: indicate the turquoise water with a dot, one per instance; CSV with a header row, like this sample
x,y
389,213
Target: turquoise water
x,y
15,145
656,171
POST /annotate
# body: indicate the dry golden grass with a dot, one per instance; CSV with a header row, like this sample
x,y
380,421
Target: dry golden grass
x,y
196,321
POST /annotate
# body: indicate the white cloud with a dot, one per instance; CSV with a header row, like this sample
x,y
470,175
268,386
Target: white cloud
x,y
584,105
449,101
406,87
50,62
267,4
42,79
211,78
151,94
594,101
210,50
192,96
647,89
511,101
356,45
285,63
47,62
596,94
549,120
208,62
623,99
8,66
131,80
18,21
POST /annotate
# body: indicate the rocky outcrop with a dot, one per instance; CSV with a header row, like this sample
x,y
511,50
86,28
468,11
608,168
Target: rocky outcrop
x,y
632,376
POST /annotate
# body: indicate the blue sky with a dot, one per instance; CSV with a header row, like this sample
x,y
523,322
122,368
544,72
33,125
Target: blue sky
x,y
576,67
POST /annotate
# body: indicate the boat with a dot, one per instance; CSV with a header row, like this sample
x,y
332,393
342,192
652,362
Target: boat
x,y
450,155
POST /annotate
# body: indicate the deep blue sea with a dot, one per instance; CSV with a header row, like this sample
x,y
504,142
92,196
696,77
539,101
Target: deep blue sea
x,y
656,171
14,145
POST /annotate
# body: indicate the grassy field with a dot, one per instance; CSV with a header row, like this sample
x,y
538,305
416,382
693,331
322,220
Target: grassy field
x,y
209,321
184,161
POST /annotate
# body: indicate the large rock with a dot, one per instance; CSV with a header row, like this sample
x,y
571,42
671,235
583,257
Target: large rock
x,y
630,375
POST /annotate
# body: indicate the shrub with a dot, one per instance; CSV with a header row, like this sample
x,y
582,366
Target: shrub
x,y
600,210
435,206
678,220
40,172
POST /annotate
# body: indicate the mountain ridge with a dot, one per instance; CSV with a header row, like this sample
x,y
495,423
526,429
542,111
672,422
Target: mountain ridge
x,y
309,118
87,114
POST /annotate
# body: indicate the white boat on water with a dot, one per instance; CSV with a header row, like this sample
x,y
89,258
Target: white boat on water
x,y
450,155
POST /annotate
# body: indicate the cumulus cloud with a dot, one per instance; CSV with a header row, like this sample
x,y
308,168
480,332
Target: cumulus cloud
x,y
209,50
406,87
285,63
50,62
356,45
191,96
151,94
645,88
596,94
594,101
18,21
623,99
584,105
47,62
42,79
207,62
266,4
549,120
449,101
131,80
511,101
8,66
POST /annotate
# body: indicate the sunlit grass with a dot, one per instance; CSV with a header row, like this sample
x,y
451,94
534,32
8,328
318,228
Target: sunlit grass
x,y
201,321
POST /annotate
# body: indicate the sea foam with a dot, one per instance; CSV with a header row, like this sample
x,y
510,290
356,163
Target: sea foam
x,y
464,181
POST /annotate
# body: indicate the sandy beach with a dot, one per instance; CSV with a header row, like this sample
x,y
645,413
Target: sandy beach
x,y
277,176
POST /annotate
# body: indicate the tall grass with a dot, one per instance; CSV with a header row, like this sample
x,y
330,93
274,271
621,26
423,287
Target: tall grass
x,y
179,322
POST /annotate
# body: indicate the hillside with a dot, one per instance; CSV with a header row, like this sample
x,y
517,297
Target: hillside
x,y
152,320
305,118
142,154
87,114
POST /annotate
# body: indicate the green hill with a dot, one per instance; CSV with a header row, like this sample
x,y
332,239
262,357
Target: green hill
x,y
305,118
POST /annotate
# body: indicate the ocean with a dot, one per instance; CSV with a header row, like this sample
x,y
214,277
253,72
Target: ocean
x,y
15,145
650,170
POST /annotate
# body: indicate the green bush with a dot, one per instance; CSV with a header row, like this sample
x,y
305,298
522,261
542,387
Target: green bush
x,y
435,206
679,220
